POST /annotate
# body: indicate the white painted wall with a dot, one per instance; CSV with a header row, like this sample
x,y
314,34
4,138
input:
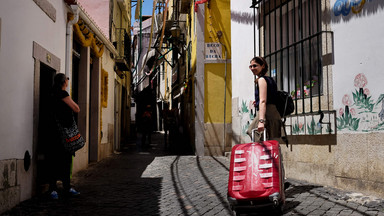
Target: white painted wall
x,y
23,22
242,52
108,113
358,48
355,162
359,45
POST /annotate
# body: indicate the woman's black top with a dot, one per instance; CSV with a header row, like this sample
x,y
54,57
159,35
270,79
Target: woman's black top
x,y
271,91
63,113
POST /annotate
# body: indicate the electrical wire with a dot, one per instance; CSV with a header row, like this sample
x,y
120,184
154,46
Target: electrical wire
x,y
150,39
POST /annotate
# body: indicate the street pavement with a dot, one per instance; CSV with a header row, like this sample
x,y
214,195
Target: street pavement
x,y
154,182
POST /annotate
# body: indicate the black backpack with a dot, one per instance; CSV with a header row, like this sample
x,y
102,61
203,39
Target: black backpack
x,y
284,103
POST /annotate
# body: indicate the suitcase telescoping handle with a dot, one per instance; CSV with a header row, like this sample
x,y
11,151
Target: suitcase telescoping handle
x,y
264,134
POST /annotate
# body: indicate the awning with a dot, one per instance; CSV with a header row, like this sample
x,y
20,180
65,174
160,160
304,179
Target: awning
x,y
147,56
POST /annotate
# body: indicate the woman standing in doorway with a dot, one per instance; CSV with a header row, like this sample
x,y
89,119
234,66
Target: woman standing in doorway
x,y
60,161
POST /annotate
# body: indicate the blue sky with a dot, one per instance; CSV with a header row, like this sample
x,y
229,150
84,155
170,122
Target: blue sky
x,y
147,9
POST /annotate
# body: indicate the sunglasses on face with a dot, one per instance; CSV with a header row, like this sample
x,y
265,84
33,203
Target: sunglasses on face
x,y
253,66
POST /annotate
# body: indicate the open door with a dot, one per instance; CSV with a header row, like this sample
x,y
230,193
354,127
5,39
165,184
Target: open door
x,y
43,141
117,128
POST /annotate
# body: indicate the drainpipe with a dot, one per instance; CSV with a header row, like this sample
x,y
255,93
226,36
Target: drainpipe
x,y
199,2
225,96
219,35
68,49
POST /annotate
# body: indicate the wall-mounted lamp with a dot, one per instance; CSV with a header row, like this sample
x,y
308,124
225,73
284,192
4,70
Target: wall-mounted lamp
x,y
175,30
219,34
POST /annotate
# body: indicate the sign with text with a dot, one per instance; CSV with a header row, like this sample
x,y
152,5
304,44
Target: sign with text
x,y
213,51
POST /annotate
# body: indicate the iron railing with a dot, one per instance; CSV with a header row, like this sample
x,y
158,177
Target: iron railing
x,y
291,40
298,47
123,45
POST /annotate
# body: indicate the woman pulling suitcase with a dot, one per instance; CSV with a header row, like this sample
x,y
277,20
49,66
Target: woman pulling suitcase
x,y
256,176
265,94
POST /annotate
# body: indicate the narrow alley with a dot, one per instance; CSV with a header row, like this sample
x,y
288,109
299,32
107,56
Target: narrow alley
x,y
154,182
205,71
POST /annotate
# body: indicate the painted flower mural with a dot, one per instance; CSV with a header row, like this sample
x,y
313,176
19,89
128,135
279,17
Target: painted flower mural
x,y
298,128
360,80
360,97
360,113
246,111
346,120
347,100
366,91
314,127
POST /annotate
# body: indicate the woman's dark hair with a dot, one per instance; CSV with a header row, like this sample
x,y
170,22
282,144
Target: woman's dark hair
x,y
261,61
58,81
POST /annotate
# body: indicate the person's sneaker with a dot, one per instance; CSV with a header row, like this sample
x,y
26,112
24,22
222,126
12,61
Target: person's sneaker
x,y
73,192
54,195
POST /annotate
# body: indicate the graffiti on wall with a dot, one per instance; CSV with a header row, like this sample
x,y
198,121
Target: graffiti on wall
x,y
361,112
344,7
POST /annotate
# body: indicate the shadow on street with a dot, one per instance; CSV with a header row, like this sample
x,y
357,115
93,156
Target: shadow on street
x,y
156,181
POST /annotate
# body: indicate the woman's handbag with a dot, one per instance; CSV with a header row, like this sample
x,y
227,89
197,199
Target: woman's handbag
x,y
70,137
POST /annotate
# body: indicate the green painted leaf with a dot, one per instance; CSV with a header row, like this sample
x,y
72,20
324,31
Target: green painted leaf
x,y
381,98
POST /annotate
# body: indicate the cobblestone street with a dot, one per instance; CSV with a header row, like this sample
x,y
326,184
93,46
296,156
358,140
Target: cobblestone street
x,y
155,183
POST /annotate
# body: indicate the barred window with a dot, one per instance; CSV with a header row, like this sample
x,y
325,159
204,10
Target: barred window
x,y
291,38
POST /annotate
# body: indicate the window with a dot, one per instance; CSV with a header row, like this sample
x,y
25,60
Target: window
x,y
291,42
104,88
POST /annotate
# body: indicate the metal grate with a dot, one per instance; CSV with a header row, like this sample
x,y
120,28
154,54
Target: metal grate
x,y
291,39
123,44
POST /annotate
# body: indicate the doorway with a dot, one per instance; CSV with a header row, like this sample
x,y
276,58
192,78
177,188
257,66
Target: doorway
x,y
117,116
45,68
44,123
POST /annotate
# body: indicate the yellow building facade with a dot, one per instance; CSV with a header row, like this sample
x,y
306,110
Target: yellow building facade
x,y
211,65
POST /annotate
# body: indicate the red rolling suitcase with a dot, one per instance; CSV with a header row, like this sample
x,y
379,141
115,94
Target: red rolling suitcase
x,y
256,176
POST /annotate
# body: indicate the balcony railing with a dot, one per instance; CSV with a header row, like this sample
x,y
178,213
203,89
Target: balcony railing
x,y
123,47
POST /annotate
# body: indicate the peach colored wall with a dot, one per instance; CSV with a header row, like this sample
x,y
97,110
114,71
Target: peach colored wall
x,y
99,12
